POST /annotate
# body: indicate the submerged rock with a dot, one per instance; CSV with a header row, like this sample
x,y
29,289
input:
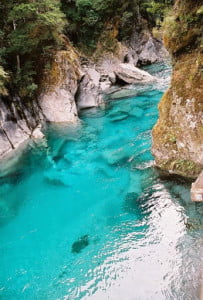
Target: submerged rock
x,y
56,177
130,205
80,244
137,112
118,116
119,155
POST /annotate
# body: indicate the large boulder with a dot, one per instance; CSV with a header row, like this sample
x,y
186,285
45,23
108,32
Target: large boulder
x,y
132,75
89,91
59,87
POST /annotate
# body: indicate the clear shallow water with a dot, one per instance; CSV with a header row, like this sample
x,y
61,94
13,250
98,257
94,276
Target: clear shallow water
x,y
85,216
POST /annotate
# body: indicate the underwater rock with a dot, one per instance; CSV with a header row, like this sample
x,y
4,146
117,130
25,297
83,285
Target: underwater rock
x,y
137,112
135,183
130,205
117,155
56,177
118,116
80,244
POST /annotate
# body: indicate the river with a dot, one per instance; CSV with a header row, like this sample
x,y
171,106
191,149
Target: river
x,y
85,214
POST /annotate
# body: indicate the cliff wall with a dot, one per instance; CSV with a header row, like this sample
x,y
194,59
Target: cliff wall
x,y
178,134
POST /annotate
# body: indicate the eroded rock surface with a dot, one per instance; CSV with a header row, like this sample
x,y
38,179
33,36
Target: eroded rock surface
x,y
89,93
18,122
59,87
178,134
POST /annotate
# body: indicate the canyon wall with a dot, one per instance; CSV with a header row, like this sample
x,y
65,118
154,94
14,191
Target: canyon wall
x,y
178,134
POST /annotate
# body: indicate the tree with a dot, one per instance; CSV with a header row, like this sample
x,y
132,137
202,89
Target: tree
x,y
31,30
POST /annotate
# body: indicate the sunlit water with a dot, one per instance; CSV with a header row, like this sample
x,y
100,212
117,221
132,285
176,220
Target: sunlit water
x,y
85,215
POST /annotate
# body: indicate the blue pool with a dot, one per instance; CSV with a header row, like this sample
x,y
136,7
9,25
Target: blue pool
x,y
84,214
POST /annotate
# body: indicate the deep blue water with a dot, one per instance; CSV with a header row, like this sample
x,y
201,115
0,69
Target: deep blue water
x,y
84,215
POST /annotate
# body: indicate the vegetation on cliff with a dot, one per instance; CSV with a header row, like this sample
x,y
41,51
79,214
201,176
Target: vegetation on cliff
x,y
31,31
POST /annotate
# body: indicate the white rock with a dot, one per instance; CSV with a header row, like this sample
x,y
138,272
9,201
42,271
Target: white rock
x,y
130,74
37,134
89,92
59,106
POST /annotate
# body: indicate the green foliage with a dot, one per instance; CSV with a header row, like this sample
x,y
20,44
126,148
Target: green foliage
x,y
31,30
156,10
89,18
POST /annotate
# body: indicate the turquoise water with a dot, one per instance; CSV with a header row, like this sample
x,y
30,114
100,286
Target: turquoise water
x,y
86,216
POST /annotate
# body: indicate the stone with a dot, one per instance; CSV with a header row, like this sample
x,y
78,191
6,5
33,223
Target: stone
x,y
80,244
132,75
89,92
137,112
37,133
147,49
197,189
149,53
59,88
117,155
118,116
56,177
59,106
17,122
112,77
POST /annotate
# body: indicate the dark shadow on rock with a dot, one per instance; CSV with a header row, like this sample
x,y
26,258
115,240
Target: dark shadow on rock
x,y
80,244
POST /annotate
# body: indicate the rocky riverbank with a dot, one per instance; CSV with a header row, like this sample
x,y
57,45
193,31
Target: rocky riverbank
x,y
74,82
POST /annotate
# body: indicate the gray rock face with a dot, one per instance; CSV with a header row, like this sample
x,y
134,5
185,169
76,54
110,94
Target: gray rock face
x,y
148,49
130,74
59,106
17,123
89,91
57,100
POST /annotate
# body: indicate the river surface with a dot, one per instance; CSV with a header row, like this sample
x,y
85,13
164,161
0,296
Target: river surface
x,y
85,215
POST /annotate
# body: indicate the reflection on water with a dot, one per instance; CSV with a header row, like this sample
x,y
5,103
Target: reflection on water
x,y
86,216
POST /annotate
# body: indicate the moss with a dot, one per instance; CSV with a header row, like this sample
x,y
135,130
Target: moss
x,y
63,67
183,25
183,167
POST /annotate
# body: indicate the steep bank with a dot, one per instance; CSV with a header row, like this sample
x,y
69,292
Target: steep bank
x,y
178,134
